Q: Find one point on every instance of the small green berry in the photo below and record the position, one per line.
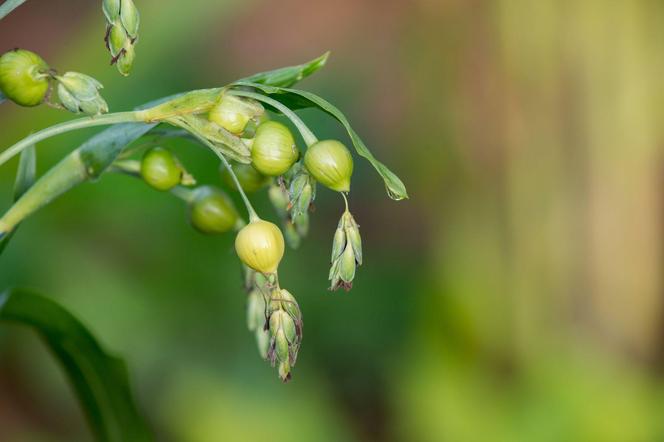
(330, 163)
(250, 179)
(23, 77)
(212, 211)
(160, 169)
(273, 151)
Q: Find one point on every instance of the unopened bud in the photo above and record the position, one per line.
(346, 253)
(80, 93)
(111, 9)
(130, 17)
(125, 60)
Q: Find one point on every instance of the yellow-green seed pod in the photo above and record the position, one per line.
(212, 211)
(330, 163)
(260, 246)
(23, 77)
(160, 169)
(273, 151)
(233, 113)
(125, 61)
(250, 179)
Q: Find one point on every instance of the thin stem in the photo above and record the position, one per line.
(253, 216)
(9, 6)
(99, 120)
(345, 200)
(307, 134)
(186, 195)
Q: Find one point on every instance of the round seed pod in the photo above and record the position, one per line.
(160, 169)
(233, 113)
(273, 151)
(22, 77)
(260, 246)
(250, 179)
(212, 211)
(330, 163)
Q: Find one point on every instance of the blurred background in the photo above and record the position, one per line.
(517, 296)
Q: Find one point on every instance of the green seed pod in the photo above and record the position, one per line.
(125, 60)
(260, 246)
(117, 36)
(212, 211)
(338, 243)
(23, 77)
(353, 236)
(80, 93)
(330, 163)
(130, 17)
(111, 9)
(273, 151)
(160, 169)
(347, 264)
(250, 179)
(290, 304)
(233, 113)
(284, 371)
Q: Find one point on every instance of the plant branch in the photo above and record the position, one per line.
(67, 126)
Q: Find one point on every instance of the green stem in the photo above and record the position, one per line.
(99, 120)
(253, 216)
(307, 134)
(186, 195)
(9, 6)
(345, 200)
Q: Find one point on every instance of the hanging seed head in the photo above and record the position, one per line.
(260, 246)
(212, 211)
(23, 77)
(273, 151)
(233, 113)
(122, 20)
(285, 328)
(160, 169)
(250, 179)
(302, 191)
(330, 163)
(346, 253)
(80, 93)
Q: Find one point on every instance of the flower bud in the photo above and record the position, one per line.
(116, 38)
(125, 60)
(212, 211)
(111, 9)
(160, 169)
(123, 20)
(233, 113)
(285, 327)
(250, 179)
(302, 191)
(23, 77)
(260, 246)
(80, 93)
(330, 163)
(273, 151)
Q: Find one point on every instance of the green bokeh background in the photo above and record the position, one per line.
(517, 296)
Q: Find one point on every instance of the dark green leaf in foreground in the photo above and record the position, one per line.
(100, 380)
(297, 99)
(288, 76)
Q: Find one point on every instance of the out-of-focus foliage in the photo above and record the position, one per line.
(515, 296)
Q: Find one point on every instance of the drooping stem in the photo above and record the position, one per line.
(67, 126)
(253, 216)
(307, 134)
(345, 200)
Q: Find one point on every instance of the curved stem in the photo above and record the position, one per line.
(345, 200)
(253, 216)
(99, 120)
(307, 134)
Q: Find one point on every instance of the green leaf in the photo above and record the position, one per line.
(27, 171)
(99, 379)
(297, 99)
(25, 178)
(288, 76)
(8, 6)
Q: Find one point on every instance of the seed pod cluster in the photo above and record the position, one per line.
(79, 93)
(122, 20)
(346, 253)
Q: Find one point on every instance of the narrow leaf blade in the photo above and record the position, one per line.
(27, 171)
(288, 76)
(99, 379)
(297, 99)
